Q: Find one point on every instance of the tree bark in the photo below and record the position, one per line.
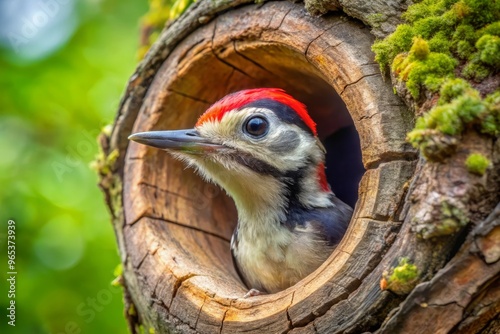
(173, 230)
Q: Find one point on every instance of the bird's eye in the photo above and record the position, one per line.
(256, 127)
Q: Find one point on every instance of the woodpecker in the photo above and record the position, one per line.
(262, 147)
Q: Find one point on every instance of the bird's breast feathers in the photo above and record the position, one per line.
(280, 258)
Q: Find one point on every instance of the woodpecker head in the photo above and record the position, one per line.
(261, 146)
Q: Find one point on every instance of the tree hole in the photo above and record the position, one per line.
(179, 226)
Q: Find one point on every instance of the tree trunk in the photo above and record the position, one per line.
(434, 222)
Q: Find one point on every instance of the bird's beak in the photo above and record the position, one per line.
(188, 141)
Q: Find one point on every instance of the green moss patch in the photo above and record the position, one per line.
(118, 272)
(477, 163)
(459, 107)
(441, 45)
(402, 278)
(423, 68)
(453, 218)
(404, 272)
(465, 30)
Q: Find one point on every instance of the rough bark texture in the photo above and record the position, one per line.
(381, 16)
(173, 230)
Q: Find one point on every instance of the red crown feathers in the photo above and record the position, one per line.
(244, 97)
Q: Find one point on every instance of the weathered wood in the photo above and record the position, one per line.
(173, 230)
(381, 15)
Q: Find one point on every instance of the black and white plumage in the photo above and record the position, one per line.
(261, 146)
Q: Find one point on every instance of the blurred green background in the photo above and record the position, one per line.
(61, 79)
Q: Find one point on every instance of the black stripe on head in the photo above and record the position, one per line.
(256, 165)
(291, 179)
(282, 111)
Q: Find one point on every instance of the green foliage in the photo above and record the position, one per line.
(52, 109)
(160, 12)
(477, 163)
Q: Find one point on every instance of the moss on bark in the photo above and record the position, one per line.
(444, 48)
